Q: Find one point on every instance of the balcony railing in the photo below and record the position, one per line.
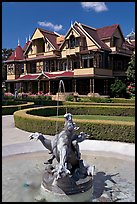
(121, 50)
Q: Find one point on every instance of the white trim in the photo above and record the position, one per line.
(84, 32)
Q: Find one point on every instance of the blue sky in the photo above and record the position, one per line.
(20, 19)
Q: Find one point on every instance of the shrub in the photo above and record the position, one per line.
(8, 96)
(118, 89)
(70, 98)
(98, 130)
(10, 109)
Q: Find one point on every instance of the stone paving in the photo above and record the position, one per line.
(23, 166)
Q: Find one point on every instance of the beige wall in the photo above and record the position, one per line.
(107, 42)
(37, 35)
(90, 44)
(83, 71)
(10, 77)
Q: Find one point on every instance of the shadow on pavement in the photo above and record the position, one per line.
(99, 185)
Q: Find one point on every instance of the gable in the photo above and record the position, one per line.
(117, 33)
(72, 32)
(37, 34)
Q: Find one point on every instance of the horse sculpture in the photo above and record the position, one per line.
(64, 147)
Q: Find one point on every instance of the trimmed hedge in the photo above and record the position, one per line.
(97, 129)
(41, 102)
(12, 102)
(10, 109)
(97, 104)
(105, 100)
(92, 110)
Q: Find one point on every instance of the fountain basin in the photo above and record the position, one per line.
(65, 189)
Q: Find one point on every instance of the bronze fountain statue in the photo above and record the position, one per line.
(68, 176)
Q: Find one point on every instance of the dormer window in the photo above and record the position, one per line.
(49, 47)
(72, 41)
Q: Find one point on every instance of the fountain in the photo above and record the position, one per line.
(67, 178)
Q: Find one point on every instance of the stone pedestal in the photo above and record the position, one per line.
(67, 189)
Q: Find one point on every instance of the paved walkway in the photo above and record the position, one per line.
(15, 137)
(112, 159)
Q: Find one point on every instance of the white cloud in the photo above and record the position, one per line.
(96, 6)
(50, 25)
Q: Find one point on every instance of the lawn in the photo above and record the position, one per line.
(102, 117)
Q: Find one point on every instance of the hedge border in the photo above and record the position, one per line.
(10, 109)
(97, 129)
(100, 104)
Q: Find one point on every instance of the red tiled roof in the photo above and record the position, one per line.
(94, 34)
(107, 31)
(51, 36)
(26, 45)
(29, 77)
(47, 74)
(60, 74)
(17, 54)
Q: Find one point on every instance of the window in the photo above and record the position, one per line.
(48, 47)
(39, 66)
(76, 42)
(85, 63)
(91, 62)
(22, 68)
(10, 69)
(64, 66)
(76, 64)
(46, 67)
(52, 66)
(72, 41)
(33, 68)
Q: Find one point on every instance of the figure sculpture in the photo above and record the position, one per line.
(65, 149)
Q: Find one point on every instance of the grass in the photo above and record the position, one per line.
(102, 117)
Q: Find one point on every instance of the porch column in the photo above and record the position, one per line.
(55, 65)
(93, 86)
(90, 85)
(104, 86)
(67, 68)
(80, 60)
(25, 68)
(49, 86)
(75, 86)
(8, 87)
(39, 86)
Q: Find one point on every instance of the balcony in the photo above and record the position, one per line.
(120, 50)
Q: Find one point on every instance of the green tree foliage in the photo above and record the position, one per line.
(5, 55)
(131, 69)
(118, 89)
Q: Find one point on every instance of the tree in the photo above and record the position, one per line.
(131, 69)
(5, 55)
(118, 89)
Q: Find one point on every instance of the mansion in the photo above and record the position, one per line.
(87, 59)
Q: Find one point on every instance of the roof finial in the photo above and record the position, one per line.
(71, 23)
(18, 42)
(132, 31)
(26, 40)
